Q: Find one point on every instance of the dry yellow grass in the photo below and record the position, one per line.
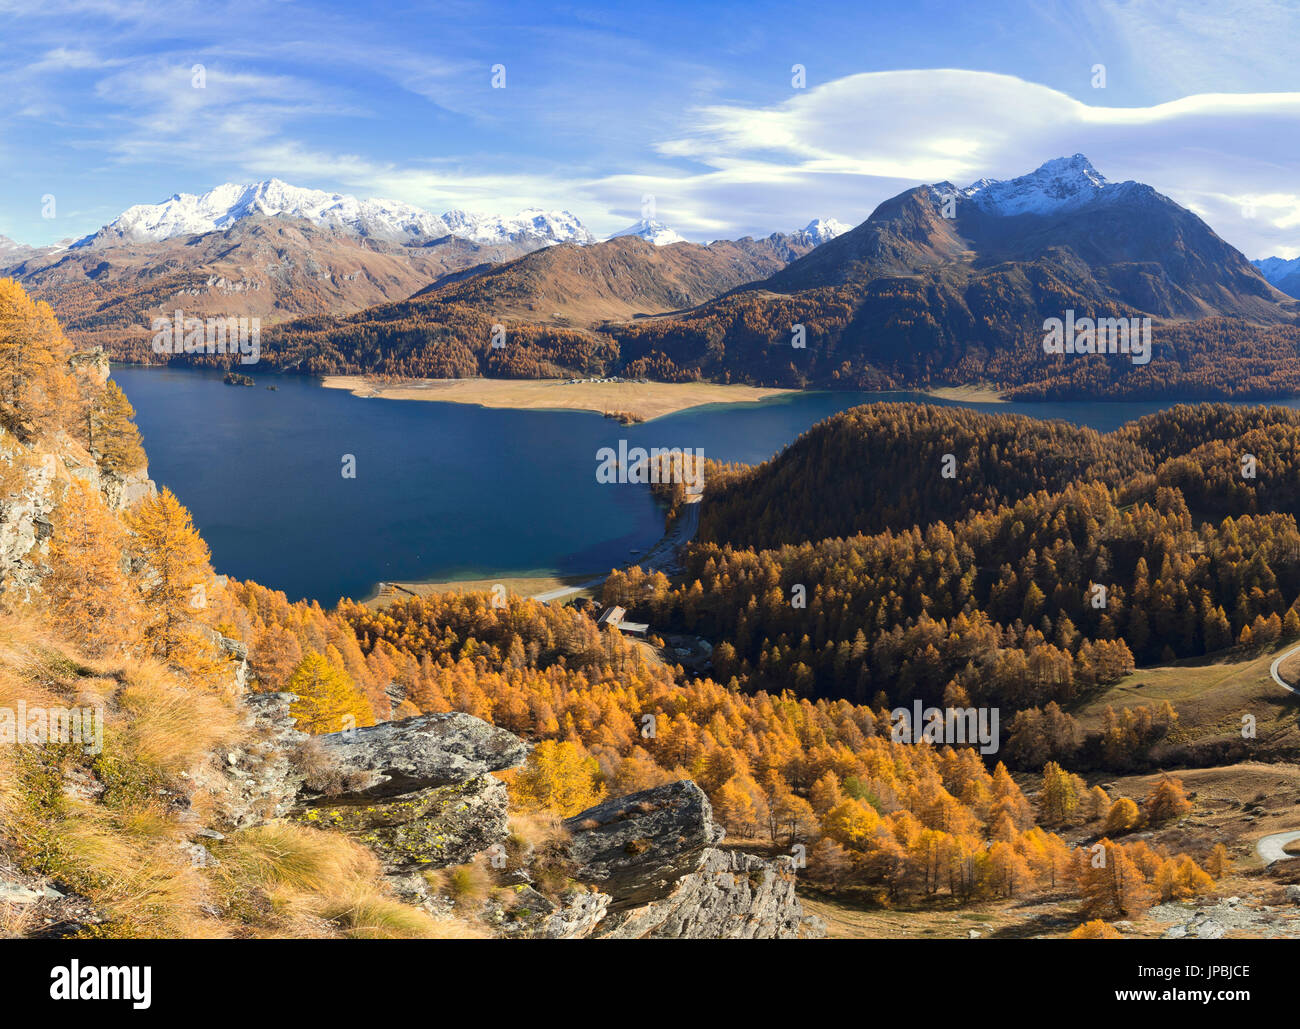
(321, 884)
(170, 727)
(120, 844)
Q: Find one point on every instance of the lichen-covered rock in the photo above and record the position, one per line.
(429, 828)
(416, 793)
(430, 750)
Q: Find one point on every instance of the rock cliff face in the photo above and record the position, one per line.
(419, 794)
(36, 477)
(42, 476)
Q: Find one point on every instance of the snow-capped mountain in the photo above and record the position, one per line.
(1061, 184)
(185, 214)
(1281, 272)
(390, 220)
(819, 231)
(1115, 243)
(533, 223)
(652, 231)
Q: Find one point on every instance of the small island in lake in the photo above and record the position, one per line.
(236, 379)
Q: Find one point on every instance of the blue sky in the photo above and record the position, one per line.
(692, 103)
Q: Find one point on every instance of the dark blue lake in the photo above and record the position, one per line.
(442, 491)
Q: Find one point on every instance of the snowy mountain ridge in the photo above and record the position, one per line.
(185, 214)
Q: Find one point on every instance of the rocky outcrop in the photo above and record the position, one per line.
(38, 478)
(260, 780)
(415, 792)
(125, 490)
(732, 896)
(655, 854)
(429, 750)
(635, 848)
(419, 794)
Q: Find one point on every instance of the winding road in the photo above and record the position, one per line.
(1277, 663)
(1270, 848)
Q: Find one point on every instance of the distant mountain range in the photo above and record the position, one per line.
(269, 267)
(1282, 273)
(940, 285)
(12, 253)
(276, 251)
(188, 214)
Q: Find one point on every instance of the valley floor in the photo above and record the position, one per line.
(643, 400)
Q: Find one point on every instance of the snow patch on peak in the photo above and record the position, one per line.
(532, 224)
(821, 230)
(1061, 184)
(652, 231)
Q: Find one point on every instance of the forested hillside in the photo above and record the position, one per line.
(1045, 565)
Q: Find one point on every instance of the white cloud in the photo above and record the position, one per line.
(847, 145)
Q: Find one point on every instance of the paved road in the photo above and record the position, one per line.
(1276, 664)
(1270, 847)
(659, 558)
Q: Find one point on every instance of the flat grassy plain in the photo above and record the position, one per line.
(523, 586)
(644, 400)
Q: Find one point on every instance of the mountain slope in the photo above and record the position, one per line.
(621, 278)
(272, 268)
(552, 302)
